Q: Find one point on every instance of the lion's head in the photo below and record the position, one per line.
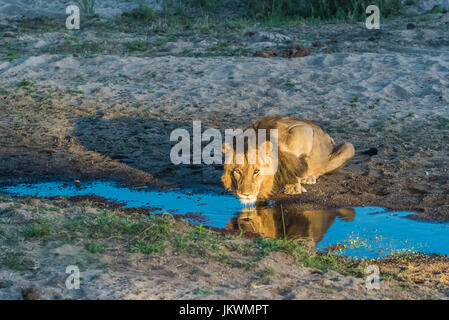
(249, 180)
(254, 174)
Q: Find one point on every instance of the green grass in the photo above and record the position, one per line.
(137, 45)
(164, 40)
(341, 10)
(265, 273)
(25, 84)
(142, 14)
(16, 261)
(280, 11)
(218, 16)
(73, 92)
(442, 123)
(95, 247)
(438, 9)
(11, 56)
(10, 52)
(38, 230)
(205, 291)
(143, 246)
(289, 84)
(71, 39)
(219, 46)
(8, 211)
(87, 6)
(309, 259)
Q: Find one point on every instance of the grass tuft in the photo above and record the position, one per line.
(38, 230)
(137, 45)
(88, 6)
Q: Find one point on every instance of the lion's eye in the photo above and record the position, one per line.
(256, 172)
(237, 172)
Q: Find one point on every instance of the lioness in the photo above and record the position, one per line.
(305, 152)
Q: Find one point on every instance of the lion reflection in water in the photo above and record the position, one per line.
(288, 221)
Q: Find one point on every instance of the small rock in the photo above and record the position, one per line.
(316, 271)
(332, 275)
(317, 44)
(297, 51)
(5, 284)
(410, 26)
(8, 35)
(273, 37)
(31, 293)
(266, 54)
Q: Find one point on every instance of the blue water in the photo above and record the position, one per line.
(370, 232)
(377, 232)
(181, 202)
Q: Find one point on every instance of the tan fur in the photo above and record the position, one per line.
(305, 153)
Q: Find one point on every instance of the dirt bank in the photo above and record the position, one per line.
(132, 256)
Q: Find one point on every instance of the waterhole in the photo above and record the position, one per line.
(363, 232)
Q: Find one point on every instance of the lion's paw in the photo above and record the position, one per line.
(294, 189)
(308, 180)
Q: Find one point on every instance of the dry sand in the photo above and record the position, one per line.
(126, 106)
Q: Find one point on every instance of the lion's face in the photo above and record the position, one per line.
(247, 180)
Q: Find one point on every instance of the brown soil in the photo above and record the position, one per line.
(37, 269)
(118, 126)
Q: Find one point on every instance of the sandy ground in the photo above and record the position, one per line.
(82, 105)
(89, 115)
(41, 262)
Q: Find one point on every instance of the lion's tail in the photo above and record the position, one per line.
(369, 152)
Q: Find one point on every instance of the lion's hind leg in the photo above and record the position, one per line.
(339, 157)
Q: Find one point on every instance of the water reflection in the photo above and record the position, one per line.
(360, 231)
(288, 221)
